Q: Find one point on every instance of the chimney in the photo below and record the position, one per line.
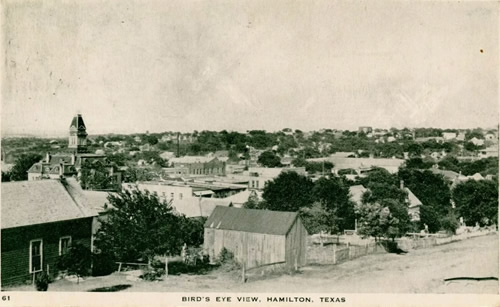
(47, 157)
(401, 184)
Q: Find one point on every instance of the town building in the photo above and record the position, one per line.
(258, 176)
(199, 165)
(40, 221)
(257, 237)
(361, 165)
(69, 164)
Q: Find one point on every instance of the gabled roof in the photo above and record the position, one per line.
(27, 203)
(36, 168)
(242, 197)
(412, 199)
(198, 207)
(251, 220)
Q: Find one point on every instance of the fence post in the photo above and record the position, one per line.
(243, 277)
(334, 254)
(166, 266)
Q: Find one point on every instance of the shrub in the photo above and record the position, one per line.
(226, 261)
(450, 223)
(42, 281)
(153, 274)
(103, 264)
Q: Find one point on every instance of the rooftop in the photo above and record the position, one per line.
(251, 220)
(27, 203)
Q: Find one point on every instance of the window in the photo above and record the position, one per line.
(180, 195)
(163, 194)
(64, 245)
(36, 255)
(172, 195)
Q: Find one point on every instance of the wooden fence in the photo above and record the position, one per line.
(334, 254)
(338, 253)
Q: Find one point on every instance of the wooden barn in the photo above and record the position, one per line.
(256, 237)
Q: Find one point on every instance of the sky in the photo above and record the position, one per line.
(136, 66)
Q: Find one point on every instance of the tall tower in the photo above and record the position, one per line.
(78, 134)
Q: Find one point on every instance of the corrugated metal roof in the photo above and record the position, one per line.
(37, 202)
(251, 220)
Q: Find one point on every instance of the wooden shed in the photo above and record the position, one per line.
(256, 237)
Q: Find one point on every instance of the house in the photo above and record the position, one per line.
(461, 136)
(199, 165)
(257, 237)
(448, 136)
(476, 141)
(491, 137)
(414, 205)
(40, 220)
(365, 129)
(491, 151)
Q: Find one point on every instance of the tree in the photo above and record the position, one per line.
(434, 193)
(333, 195)
(269, 159)
(387, 218)
(318, 219)
(418, 163)
(140, 226)
(253, 202)
(477, 201)
(469, 146)
(288, 192)
(23, 163)
(76, 261)
(5, 176)
(95, 176)
(152, 140)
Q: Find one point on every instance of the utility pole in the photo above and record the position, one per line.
(178, 155)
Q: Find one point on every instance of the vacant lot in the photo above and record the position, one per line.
(419, 271)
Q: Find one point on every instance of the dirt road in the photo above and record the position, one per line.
(419, 271)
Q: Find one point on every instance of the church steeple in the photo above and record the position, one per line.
(78, 134)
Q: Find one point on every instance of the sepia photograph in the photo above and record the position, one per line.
(279, 152)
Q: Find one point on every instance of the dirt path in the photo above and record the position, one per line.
(419, 271)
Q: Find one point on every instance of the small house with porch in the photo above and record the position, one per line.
(257, 237)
